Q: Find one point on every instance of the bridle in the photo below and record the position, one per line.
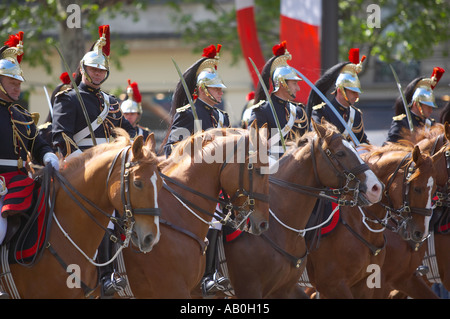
(226, 202)
(341, 171)
(402, 215)
(124, 223)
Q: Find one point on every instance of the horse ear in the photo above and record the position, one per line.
(264, 132)
(320, 130)
(137, 147)
(150, 142)
(416, 155)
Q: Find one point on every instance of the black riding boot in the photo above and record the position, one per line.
(110, 280)
(212, 281)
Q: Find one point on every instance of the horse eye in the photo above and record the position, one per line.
(340, 153)
(138, 184)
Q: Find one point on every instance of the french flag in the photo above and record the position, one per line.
(300, 22)
(246, 26)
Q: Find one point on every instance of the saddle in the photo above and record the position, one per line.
(25, 208)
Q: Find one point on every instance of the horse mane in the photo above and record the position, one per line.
(207, 137)
(420, 133)
(121, 140)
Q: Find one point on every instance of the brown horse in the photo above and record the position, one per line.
(118, 176)
(188, 199)
(268, 266)
(339, 268)
(437, 257)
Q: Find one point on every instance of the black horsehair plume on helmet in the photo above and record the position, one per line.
(409, 92)
(277, 50)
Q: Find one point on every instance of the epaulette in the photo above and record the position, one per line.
(63, 91)
(357, 109)
(35, 116)
(318, 106)
(44, 126)
(144, 128)
(183, 108)
(399, 117)
(255, 106)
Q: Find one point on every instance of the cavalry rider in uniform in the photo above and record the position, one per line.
(20, 140)
(71, 134)
(344, 76)
(291, 116)
(206, 87)
(132, 109)
(420, 98)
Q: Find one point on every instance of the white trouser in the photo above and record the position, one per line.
(216, 224)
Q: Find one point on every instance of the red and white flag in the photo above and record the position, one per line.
(300, 23)
(248, 35)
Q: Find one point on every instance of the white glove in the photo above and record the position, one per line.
(52, 159)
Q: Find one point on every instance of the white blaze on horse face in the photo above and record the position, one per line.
(373, 184)
(427, 218)
(153, 179)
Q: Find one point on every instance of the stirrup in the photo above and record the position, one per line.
(115, 283)
(214, 284)
(4, 295)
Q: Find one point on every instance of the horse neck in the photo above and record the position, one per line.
(89, 180)
(298, 169)
(202, 177)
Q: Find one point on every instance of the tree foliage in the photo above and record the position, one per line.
(409, 30)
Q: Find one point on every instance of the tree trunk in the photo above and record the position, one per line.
(71, 36)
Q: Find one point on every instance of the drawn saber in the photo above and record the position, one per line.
(261, 81)
(48, 101)
(75, 87)
(399, 86)
(324, 98)
(189, 97)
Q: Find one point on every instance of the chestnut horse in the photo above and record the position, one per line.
(339, 268)
(116, 176)
(268, 266)
(437, 256)
(193, 181)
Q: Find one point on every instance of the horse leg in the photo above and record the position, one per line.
(295, 292)
(416, 288)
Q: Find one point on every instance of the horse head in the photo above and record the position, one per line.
(242, 177)
(134, 192)
(339, 165)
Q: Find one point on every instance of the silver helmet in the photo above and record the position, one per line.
(207, 75)
(423, 92)
(133, 103)
(348, 78)
(99, 56)
(11, 57)
(280, 71)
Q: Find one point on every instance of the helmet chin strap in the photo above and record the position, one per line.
(205, 89)
(344, 94)
(7, 94)
(88, 77)
(284, 84)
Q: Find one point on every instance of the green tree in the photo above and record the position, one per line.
(409, 30)
(44, 23)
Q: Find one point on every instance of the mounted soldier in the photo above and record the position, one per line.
(72, 133)
(206, 88)
(291, 115)
(347, 88)
(132, 109)
(20, 140)
(421, 103)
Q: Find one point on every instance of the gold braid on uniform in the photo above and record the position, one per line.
(18, 136)
(69, 142)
